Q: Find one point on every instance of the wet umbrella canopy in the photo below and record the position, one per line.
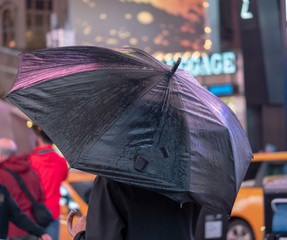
(121, 113)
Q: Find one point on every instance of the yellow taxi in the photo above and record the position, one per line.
(75, 191)
(247, 217)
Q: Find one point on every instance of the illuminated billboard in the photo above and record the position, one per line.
(151, 25)
(204, 65)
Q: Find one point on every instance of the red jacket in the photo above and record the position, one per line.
(52, 169)
(21, 165)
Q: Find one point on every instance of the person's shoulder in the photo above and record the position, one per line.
(59, 158)
(34, 157)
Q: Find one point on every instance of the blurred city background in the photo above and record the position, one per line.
(235, 48)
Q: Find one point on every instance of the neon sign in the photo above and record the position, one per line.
(245, 14)
(226, 89)
(217, 63)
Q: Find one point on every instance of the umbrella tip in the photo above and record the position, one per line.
(175, 66)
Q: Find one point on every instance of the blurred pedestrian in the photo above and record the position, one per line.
(21, 165)
(10, 211)
(125, 212)
(52, 169)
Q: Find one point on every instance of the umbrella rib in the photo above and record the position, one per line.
(23, 84)
(143, 60)
(36, 60)
(127, 109)
(168, 76)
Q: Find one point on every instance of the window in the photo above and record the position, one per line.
(8, 26)
(29, 4)
(260, 173)
(276, 169)
(40, 4)
(38, 22)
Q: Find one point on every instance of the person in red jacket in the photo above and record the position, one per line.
(21, 165)
(52, 169)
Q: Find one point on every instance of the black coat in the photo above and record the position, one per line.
(10, 211)
(119, 211)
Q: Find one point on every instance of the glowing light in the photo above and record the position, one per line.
(196, 54)
(225, 89)
(128, 16)
(207, 47)
(207, 29)
(123, 34)
(29, 124)
(29, 34)
(208, 41)
(177, 56)
(207, 44)
(245, 11)
(167, 57)
(92, 4)
(165, 43)
(133, 41)
(185, 42)
(200, 63)
(165, 32)
(99, 39)
(113, 32)
(89, 3)
(262, 228)
(145, 17)
(204, 54)
(157, 40)
(87, 30)
(186, 55)
(205, 4)
(159, 56)
(103, 16)
(12, 44)
(232, 107)
(111, 41)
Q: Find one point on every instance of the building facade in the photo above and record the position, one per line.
(24, 26)
(231, 47)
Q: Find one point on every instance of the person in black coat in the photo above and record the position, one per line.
(119, 211)
(10, 211)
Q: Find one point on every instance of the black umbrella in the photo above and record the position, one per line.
(121, 113)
